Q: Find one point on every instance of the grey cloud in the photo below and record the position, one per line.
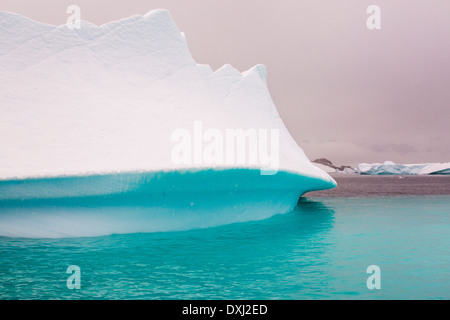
(393, 148)
(330, 77)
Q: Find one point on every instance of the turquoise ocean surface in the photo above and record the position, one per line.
(320, 250)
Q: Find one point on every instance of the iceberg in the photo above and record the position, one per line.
(436, 168)
(391, 168)
(93, 120)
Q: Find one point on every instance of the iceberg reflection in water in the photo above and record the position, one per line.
(270, 258)
(145, 202)
(320, 250)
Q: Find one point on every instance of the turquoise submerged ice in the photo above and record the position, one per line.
(91, 121)
(128, 203)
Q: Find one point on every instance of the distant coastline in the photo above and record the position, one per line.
(356, 185)
(385, 168)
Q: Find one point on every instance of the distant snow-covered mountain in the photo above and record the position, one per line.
(391, 168)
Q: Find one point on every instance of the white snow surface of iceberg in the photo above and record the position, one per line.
(106, 99)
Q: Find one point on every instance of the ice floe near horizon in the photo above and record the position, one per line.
(391, 168)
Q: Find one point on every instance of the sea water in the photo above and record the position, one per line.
(320, 250)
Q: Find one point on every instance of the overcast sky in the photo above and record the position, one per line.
(345, 92)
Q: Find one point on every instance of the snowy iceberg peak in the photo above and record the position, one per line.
(142, 42)
(259, 69)
(150, 44)
(16, 30)
(154, 34)
(152, 39)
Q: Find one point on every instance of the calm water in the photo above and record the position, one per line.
(321, 250)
